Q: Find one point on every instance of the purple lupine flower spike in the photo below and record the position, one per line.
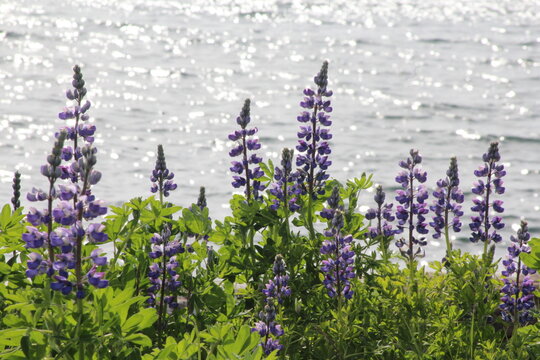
(275, 290)
(163, 276)
(482, 224)
(313, 137)
(286, 188)
(447, 196)
(411, 213)
(74, 204)
(518, 298)
(162, 178)
(247, 177)
(384, 215)
(339, 266)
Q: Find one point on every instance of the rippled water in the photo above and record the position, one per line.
(444, 76)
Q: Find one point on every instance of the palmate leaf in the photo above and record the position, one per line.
(532, 259)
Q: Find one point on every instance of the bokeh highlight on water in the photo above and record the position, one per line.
(444, 76)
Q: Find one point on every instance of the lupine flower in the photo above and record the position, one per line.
(161, 176)
(286, 188)
(16, 199)
(313, 146)
(518, 298)
(247, 176)
(74, 205)
(384, 215)
(447, 196)
(77, 112)
(493, 173)
(339, 266)
(411, 213)
(164, 279)
(275, 290)
(278, 288)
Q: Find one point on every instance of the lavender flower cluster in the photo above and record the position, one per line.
(246, 177)
(518, 298)
(286, 188)
(276, 290)
(493, 174)
(75, 204)
(384, 215)
(313, 138)
(339, 266)
(413, 204)
(447, 196)
(163, 275)
(162, 178)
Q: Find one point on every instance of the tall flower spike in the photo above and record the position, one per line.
(313, 137)
(16, 199)
(384, 215)
(75, 204)
(411, 213)
(163, 275)
(518, 298)
(447, 196)
(286, 188)
(161, 176)
(275, 290)
(247, 176)
(482, 223)
(79, 129)
(339, 266)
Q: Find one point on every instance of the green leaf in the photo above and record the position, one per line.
(139, 339)
(141, 320)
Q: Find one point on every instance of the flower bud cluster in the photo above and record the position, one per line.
(162, 178)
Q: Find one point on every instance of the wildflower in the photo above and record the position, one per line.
(313, 146)
(412, 200)
(493, 173)
(339, 266)
(247, 176)
(518, 298)
(275, 290)
(161, 176)
(286, 188)
(447, 196)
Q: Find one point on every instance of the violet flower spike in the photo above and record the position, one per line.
(447, 200)
(276, 290)
(163, 276)
(339, 266)
(162, 178)
(285, 188)
(247, 177)
(384, 216)
(411, 213)
(490, 182)
(313, 146)
(518, 293)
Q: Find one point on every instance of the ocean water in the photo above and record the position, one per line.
(444, 76)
